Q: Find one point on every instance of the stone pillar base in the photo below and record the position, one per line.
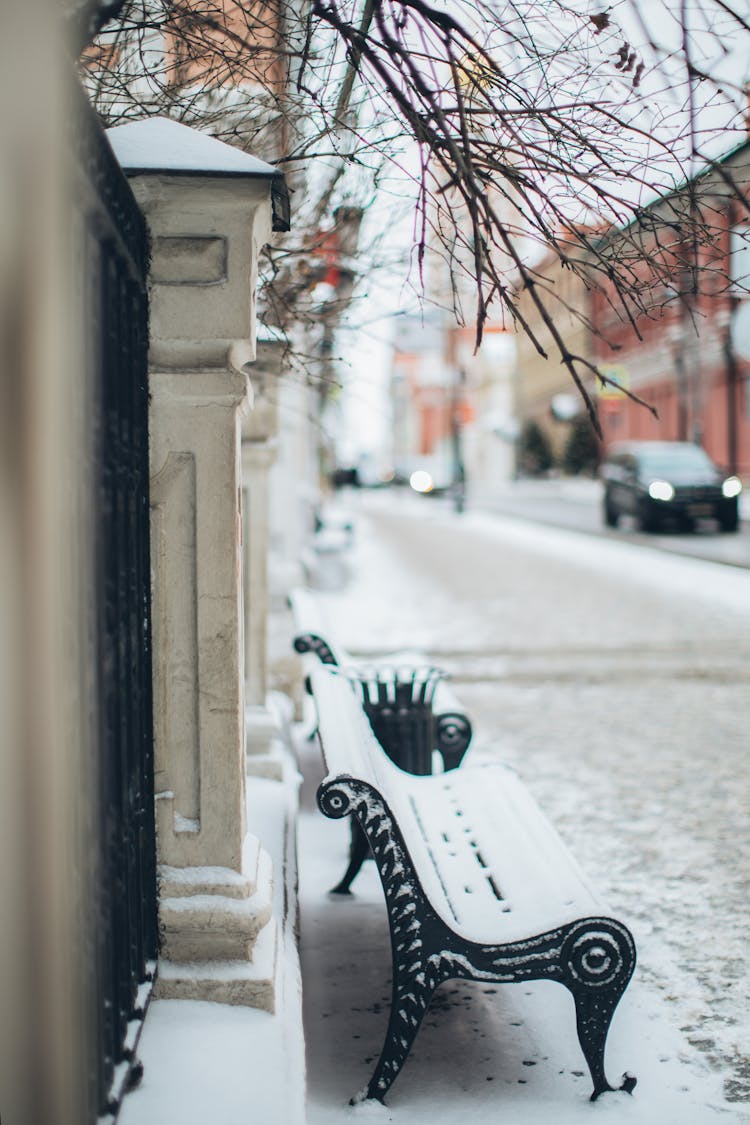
(270, 765)
(218, 937)
(225, 982)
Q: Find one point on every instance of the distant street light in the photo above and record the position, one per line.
(565, 407)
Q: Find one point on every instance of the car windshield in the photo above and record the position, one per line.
(682, 459)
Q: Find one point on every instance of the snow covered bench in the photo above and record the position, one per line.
(313, 636)
(478, 885)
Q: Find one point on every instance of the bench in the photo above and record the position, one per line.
(313, 637)
(477, 883)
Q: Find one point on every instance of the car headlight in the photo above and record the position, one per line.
(660, 490)
(421, 481)
(731, 487)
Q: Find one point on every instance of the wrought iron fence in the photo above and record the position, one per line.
(124, 945)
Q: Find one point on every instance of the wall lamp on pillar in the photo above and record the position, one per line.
(280, 205)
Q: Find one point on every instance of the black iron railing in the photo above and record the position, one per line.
(124, 945)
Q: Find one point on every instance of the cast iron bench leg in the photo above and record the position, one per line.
(597, 968)
(408, 1006)
(593, 1017)
(359, 850)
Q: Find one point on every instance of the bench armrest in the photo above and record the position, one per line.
(453, 735)
(312, 643)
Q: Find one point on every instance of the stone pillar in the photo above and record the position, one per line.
(257, 458)
(259, 449)
(196, 547)
(263, 721)
(208, 207)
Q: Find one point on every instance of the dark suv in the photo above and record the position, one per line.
(654, 481)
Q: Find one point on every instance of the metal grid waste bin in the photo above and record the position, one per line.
(398, 702)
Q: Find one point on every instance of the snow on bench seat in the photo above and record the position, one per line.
(503, 870)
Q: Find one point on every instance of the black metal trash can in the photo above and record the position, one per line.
(398, 702)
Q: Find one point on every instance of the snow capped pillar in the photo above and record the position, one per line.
(210, 208)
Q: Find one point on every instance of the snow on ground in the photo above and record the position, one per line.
(637, 809)
(484, 1053)
(611, 620)
(216, 1064)
(386, 605)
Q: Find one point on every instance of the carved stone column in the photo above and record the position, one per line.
(208, 207)
(263, 726)
(259, 451)
(198, 702)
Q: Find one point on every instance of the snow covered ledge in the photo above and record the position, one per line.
(209, 210)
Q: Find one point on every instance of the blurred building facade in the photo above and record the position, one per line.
(544, 393)
(451, 408)
(687, 352)
(423, 388)
(683, 347)
(451, 402)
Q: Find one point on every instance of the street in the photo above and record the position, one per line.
(613, 676)
(577, 504)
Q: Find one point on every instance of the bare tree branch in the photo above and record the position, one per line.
(535, 128)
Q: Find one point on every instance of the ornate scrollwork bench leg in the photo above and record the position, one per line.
(597, 962)
(359, 850)
(594, 958)
(311, 642)
(410, 918)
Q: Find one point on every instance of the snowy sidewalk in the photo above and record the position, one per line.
(499, 1053)
(484, 1053)
(230, 1065)
(505, 1053)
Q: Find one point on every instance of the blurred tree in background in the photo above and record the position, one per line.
(535, 456)
(581, 451)
(513, 127)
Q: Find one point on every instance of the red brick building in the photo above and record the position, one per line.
(687, 350)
